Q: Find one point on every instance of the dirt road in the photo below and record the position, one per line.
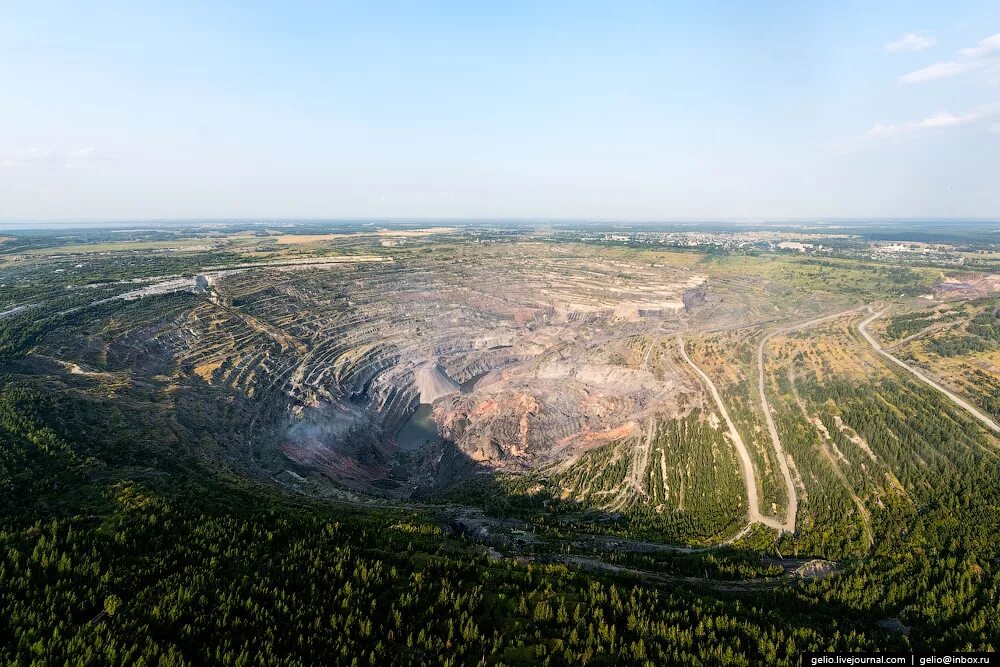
(791, 494)
(746, 463)
(957, 400)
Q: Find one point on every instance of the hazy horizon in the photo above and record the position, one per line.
(819, 224)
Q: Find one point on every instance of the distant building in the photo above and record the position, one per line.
(794, 245)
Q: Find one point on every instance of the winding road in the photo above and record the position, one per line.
(746, 463)
(791, 493)
(957, 400)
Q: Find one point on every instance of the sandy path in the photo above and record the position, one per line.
(790, 491)
(15, 310)
(957, 400)
(746, 463)
(934, 328)
(792, 496)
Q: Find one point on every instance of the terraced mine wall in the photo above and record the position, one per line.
(338, 356)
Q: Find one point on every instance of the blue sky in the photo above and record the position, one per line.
(578, 109)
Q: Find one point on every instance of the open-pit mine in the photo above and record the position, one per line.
(696, 398)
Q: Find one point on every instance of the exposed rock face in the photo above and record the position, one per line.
(815, 569)
(540, 411)
(977, 287)
(524, 366)
(432, 382)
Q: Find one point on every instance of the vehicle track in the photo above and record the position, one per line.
(746, 463)
(957, 400)
(792, 496)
